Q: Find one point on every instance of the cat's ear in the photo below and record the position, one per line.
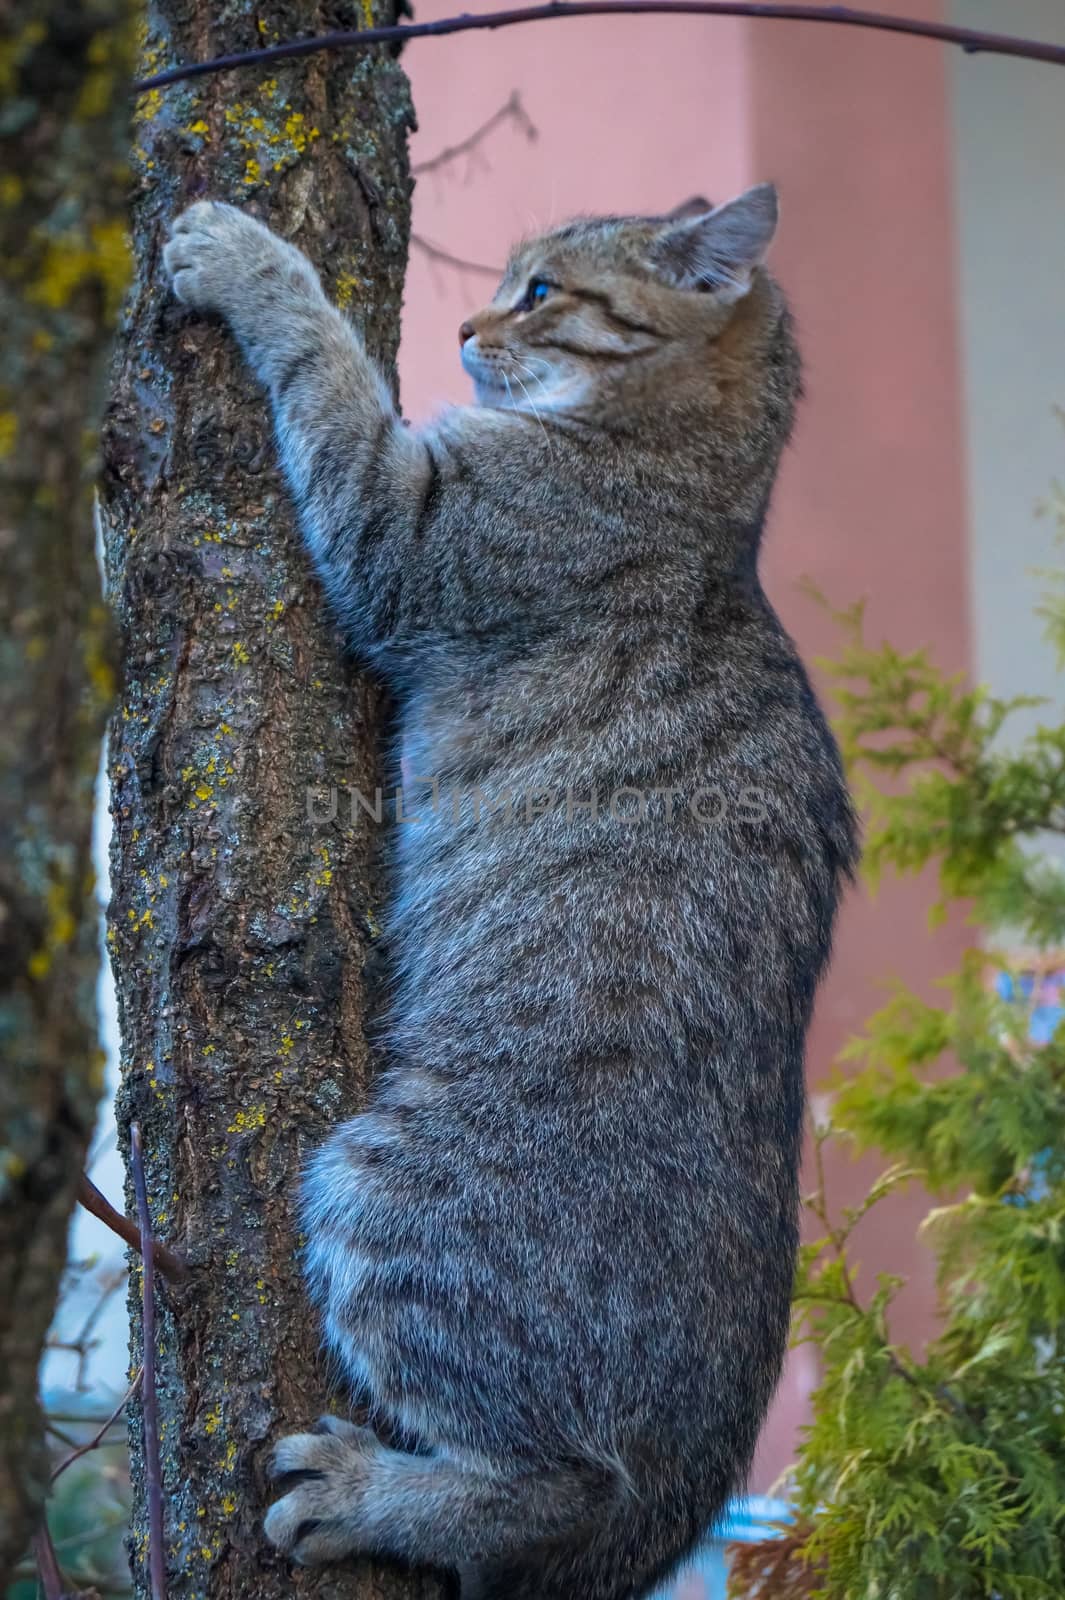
(718, 250)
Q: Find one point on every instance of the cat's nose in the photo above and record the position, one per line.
(467, 331)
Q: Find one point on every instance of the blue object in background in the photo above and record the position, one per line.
(1042, 992)
(747, 1521)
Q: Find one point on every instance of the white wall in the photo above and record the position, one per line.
(1009, 124)
(104, 1373)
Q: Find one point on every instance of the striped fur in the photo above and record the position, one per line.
(555, 1254)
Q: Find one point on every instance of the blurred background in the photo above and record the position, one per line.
(923, 247)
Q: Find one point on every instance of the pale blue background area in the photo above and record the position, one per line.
(749, 1522)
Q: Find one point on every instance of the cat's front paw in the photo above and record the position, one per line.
(219, 258)
(324, 1475)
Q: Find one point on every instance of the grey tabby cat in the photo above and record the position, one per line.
(555, 1254)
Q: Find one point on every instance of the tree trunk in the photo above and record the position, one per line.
(63, 142)
(239, 925)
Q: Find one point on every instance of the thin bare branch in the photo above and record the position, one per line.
(149, 1397)
(169, 1263)
(61, 1434)
(446, 259)
(972, 40)
(82, 1343)
(51, 1579)
(45, 1566)
(84, 1419)
(98, 1437)
(512, 111)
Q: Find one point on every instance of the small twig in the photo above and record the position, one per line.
(774, 1567)
(149, 1396)
(971, 40)
(446, 259)
(83, 1343)
(98, 1437)
(59, 1433)
(512, 111)
(837, 1238)
(169, 1263)
(85, 1419)
(48, 1572)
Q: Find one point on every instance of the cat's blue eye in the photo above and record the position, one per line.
(538, 290)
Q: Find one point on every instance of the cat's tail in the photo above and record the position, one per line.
(575, 1532)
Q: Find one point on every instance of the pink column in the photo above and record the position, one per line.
(636, 114)
(855, 129)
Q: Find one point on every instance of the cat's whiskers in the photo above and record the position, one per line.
(530, 372)
(532, 408)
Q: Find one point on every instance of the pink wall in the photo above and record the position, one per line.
(636, 114)
(855, 129)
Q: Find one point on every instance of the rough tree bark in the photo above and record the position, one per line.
(239, 926)
(63, 144)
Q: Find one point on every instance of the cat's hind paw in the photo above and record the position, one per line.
(323, 1476)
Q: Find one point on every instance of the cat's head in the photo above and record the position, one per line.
(604, 304)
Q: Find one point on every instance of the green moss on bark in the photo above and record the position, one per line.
(63, 263)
